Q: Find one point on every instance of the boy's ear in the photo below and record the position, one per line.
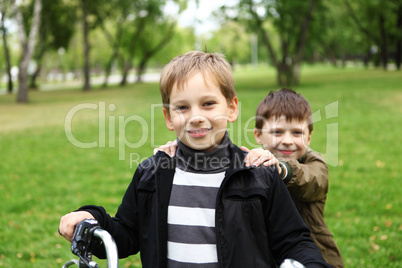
(257, 136)
(309, 138)
(233, 110)
(168, 120)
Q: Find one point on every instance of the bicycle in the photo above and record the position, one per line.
(88, 234)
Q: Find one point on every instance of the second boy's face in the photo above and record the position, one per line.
(285, 139)
(199, 113)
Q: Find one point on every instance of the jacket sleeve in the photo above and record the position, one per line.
(124, 226)
(288, 235)
(309, 182)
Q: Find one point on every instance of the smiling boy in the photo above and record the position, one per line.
(203, 208)
(284, 127)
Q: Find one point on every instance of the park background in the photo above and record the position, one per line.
(106, 56)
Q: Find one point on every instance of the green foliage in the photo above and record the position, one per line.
(43, 175)
(236, 44)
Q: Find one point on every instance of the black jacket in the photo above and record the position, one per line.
(257, 224)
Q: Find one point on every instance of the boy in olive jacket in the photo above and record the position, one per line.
(284, 127)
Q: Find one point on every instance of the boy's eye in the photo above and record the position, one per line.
(180, 108)
(209, 103)
(297, 133)
(276, 132)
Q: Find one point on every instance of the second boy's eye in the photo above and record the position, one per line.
(276, 132)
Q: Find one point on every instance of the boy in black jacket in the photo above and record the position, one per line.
(203, 208)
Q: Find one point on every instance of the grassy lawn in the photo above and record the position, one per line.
(45, 173)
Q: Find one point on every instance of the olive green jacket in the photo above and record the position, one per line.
(308, 187)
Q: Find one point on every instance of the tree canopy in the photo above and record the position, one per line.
(84, 37)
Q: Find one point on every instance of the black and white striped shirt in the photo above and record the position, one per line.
(191, 211)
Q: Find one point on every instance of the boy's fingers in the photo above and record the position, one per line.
(278, 167)
(69, 221)
(169, 148)
(244, 149)
(172, 152)
(251, 158)
(271, 162)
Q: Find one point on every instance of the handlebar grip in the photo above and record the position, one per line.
(110, 248)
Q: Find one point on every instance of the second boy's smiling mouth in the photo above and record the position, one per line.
(286, 152)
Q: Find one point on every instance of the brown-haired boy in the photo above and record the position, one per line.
(284, 127)
(203, 208)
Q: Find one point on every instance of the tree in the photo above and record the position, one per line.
(121, 11)
(4, 10)
(291, 20)
(55, 32)
(236, 44)
(163, 32)
(145, 11)
(85, 29)
(27, 47)
(380, 22)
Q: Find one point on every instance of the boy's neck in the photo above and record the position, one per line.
(207, 162)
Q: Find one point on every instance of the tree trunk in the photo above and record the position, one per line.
(87, 84)
(126, 69)
(38, 58)
(22, 82)
(32, 83)
(384, 43)
(398, 50)
(140, 70)
(28, 47)
(109, 65)
(284, 75)
(6, 55)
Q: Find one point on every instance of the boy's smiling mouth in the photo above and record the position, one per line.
(199, 132)
(286, 152)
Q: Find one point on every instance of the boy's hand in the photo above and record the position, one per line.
(70, 220)
(259, 156)
(170, 148)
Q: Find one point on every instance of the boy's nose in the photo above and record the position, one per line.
(197, 119)
(287, 139)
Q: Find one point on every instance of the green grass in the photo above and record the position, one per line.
(43, 175)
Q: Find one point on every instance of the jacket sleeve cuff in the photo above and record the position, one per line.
(286, 173)
(97, 212)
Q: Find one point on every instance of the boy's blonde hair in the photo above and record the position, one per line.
(212, 66)
(284, 102)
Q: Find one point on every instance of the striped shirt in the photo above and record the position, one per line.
(191, 211)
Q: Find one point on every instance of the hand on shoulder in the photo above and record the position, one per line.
(259, 156)
(170, 148)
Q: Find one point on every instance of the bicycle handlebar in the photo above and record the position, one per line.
(84, 240)
(110, 247)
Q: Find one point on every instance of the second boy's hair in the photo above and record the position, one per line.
(211, 65)
(284, 102)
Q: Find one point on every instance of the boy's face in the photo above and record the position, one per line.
(285, 139)
(199, 113)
